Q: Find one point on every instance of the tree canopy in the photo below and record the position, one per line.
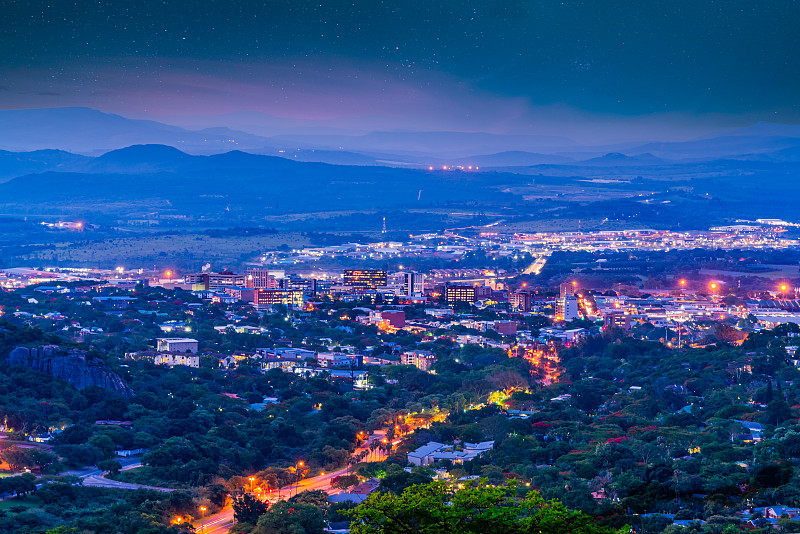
(476, 508)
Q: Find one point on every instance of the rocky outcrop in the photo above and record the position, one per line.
(74, 366)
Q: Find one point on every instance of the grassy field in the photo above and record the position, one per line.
(25, 501)
(167, 251)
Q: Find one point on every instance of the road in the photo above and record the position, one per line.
(536, 266)
(222, 521)
(92, 476)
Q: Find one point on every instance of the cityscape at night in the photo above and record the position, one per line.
(371, 267)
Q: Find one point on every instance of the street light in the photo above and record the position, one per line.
(202, 516)
(683, 282)
(297, 474)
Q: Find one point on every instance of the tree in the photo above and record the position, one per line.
(344, 482)
(314, 497)
(247, 509)
(112, 466)
(294, 518)
(15, 457)
(436, 508)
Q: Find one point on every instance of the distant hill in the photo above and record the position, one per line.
(618, 159)
(81, 130)
(86, 130)
(161, 177)
(18, 163)
(512, 158)
(731, 146)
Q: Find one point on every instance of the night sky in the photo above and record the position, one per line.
(491, 64)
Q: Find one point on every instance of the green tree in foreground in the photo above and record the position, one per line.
(295, 518)
(436, 508)
(247, 509)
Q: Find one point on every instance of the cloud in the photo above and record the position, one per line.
(312, 93)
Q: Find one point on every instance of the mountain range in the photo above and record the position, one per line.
(90, 132)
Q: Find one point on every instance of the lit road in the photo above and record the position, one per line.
(222, 521)
(536, 267)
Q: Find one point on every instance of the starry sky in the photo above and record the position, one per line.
(493, 65)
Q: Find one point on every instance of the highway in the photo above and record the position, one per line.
(536, 266)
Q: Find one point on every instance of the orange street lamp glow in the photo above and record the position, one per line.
(784, 287)
(683, 282)
(574, 283)
(169, 274)
(300, 464)
(713, 285)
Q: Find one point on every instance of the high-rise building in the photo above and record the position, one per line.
(567, 289)
(567, 308)
(261, 279)
(362, 280)
(414, 284)
(520, 301)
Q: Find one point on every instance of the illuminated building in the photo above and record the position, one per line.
(421, 359)
(261, 279)
(388, 319)
(172, 360)
(567, 289)
(567, 308)
(414, 284)
(215, 281)
(264, 299)
(520, 301)
(363, 280)
(460, 294)
(339, 359)
(177, 344)
(617, 319)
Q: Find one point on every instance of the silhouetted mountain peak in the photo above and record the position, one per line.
(144, 154)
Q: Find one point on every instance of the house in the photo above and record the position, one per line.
(778, 511)
(170, 359)
(434, 452)
(227, 361)
(424, 455)
(421, 359)
(366, 487)
(177, 344)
